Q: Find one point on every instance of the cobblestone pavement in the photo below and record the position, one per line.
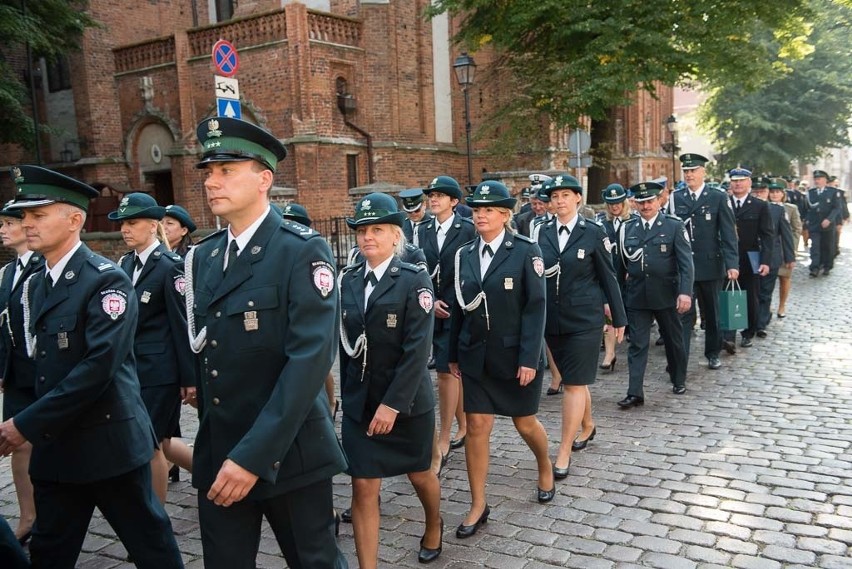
(752, 468)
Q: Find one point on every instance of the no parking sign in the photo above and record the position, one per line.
(225, 58)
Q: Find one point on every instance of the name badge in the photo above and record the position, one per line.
(508, 283)
(62, 340)
(581, 253)
(146, 297)
(391, 322)
(707, 216)
(250, 321)
(663, 248)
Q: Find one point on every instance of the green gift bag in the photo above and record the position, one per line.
(733, 307)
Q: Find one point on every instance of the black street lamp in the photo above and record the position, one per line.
(465, 69)
(671, 125)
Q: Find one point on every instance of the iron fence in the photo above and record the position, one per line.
(339, 237)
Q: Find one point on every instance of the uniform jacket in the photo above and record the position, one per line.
(609, 227)
(271, 340)
(795, 220)
(161, 347)
(586, 279)
(823, 206)
(712, 231)
(398, 324)
(408, 227)
(783, 251)
(460, 232)
(755, 232)
(523, 221)
(513, 334)
(16, 367)
(665, 270)
(89, 422)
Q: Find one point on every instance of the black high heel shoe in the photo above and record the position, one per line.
(25, 538)
(561, 473)
(551, 391)
(427, 555)
(580, 445)
(336, 524)
(174, 473)
(463, 531)
(610, 366)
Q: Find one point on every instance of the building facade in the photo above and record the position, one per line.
(362, 92)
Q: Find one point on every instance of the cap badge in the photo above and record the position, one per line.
(613, 192)
(558, 180)
(366, 205)
(485, 190)
(16, 173)
(433, 182)
(641, 186)
(256, 249)
(287, 209)
(213, 128)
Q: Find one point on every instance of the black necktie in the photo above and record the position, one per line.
(137, 264)
(20, 264)
(692, 195)
(370, 277)
(233, 249)
(48, 280)
(739, 204)
(647, 226)
(564, 229)
(487, 249)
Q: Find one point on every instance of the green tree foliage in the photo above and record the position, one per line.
(798, 115)
(51, 28)
(575, 58)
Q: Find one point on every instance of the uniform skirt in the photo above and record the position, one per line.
(407, 448)
(576, 355)
(16, 399)
(504, 396)
(163, 405)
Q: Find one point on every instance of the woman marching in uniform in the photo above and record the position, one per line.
(617, 212)
(388, 405)
(163, 362)
(496, 341)
(178, 226)
(581, 280)
(17, 369)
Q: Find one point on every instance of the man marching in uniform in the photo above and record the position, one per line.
(414, 205)
(657, 273)
(823, 215)
(262, 314)
(92, 438)
(709, 222)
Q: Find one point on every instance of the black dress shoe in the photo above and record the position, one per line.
(714, 363)
(561, 473)
(463, 531)
(631, 401)
(457, 443)
(545, 496)
(814, 273)
(678, 389)
(761, 333)
(580, 445)
(826, 272)
(660, 342)
(336, 523)
(427, 555)
(729, 346)
(746, 343)
(431, 363)
(346, 516)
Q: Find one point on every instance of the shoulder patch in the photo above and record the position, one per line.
(113, 302)
(180, 284)
(538, 266)
(426, 299)
(296, 228)
(322, 277)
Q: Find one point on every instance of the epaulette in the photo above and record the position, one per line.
(297, 228)
(466, 219)
(519, 237)
(173, 256)
(594, 221)
(471, 242)
(670, 216)
(631, 219)
(550, 222)
(352, 267)
(101, 264)
(411, 247)
(214, 234)
(410, 267)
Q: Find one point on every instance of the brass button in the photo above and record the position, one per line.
(276, 465)
(251, 303)
(214, 373)
(218, 314)
(213, 343)
(108, 416)
(215, 401)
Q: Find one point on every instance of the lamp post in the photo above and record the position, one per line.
(465, 69)
(671, 125)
